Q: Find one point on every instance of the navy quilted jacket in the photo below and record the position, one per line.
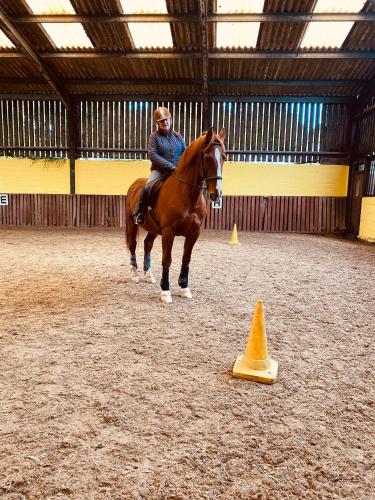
(164, 151)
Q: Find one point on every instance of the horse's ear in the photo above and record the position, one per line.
(221, 134)
(208, 136)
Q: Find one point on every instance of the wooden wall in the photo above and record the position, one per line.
(302, 214)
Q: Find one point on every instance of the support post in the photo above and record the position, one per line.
(72, 154)
(353, 124)
(204, 56)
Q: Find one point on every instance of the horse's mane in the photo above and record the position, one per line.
(191, 151)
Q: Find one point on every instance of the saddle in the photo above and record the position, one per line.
(154, 192)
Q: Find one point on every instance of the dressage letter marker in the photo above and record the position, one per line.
(4, 200)
(255, 363)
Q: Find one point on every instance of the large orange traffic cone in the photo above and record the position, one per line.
(255, 363)
(234, 237)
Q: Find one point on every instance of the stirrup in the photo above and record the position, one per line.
(139, 219)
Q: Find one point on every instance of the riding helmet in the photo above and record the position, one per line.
(161, 114)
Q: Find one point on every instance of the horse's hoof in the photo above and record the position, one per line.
(149, 277)
(166, 296)
(134, 274)
(185, 293)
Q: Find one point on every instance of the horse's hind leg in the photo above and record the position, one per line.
(148, 244)
(183, 279)
(131, 238)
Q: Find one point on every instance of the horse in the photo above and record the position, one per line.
(180, 209)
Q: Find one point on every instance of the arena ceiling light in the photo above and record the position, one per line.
(147, 35)
(51, 7)
(239, 6)
(331, 6)
(67, 35)
(144, 7)
(329, 35)
(151, 35)
(5, 43)
(63, 35)
(238, 35)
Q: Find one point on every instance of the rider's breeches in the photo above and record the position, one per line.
(141, 205)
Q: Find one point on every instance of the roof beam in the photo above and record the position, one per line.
(181, 97)
(288, 83)
(226, 83)
(264, 17)
(18, 38)
(225, 55)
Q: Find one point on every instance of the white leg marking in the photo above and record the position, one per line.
(166, 296)
(134, 274)
(149, 277)
(185, 293)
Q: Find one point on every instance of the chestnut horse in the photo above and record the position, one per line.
(180, 209)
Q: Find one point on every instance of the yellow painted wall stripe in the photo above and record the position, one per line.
(269, 179)
(367, 224)
(34, 177)
(115, 176)
(108, 177)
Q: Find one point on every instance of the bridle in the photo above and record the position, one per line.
(203, 185)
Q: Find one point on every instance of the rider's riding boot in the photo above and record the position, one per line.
(140, 208)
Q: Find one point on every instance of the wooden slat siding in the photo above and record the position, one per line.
(254, 213)
(251, 213)
(309, 214)
(245, 213)
(276, 216)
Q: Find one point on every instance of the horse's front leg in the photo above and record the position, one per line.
(167, 244)
(183, 279)
(148, 244)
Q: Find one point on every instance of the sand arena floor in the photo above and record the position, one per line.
(107, 393)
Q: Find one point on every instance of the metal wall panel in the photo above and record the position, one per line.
(365, 142)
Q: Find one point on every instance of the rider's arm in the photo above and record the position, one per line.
(158, 161)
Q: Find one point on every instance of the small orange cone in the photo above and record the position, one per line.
(234, 237)
(255, 363)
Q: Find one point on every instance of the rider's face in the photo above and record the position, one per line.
(164, 125)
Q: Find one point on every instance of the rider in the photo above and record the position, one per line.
(165, 146)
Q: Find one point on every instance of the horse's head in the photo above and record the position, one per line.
(213, 157)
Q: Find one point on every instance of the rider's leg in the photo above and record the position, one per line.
(140, 209)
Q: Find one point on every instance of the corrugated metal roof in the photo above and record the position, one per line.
(186, 37)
